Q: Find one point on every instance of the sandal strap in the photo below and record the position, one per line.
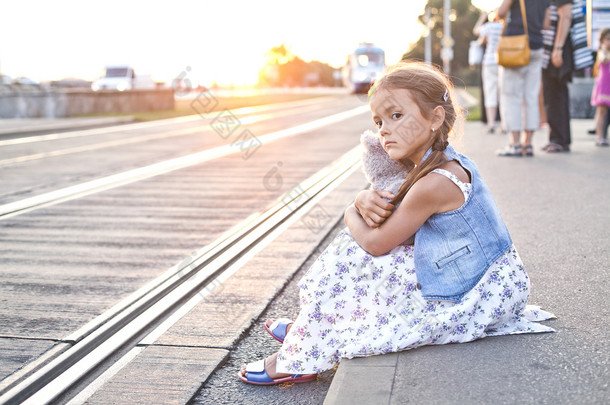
(256, 366)
(280, 321)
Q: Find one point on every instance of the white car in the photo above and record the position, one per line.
(6, 83)
(25, 83)
(122, 78)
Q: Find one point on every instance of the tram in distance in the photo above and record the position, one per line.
(365, 65)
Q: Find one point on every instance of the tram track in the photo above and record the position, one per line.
(138, 315)
(80, 190)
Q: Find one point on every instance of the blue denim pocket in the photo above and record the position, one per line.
(453, 257)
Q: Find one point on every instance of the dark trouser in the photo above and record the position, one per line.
(557, 105)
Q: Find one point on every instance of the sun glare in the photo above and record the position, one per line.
(219, 45)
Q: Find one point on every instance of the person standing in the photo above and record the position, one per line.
(600, 98)
(566, 50)
(520, 86)
(489, 30)
(556, 73)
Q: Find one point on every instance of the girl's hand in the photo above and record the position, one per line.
(372, 207)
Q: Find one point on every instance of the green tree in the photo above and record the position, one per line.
(464, 16)
(283, 68)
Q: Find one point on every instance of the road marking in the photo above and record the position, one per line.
(134, 175)
(150, 124)
(145, 138)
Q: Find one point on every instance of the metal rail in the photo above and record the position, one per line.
(122, 329)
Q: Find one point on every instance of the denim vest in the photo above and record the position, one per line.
(454, 249)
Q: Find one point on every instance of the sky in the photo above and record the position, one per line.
(204, 40)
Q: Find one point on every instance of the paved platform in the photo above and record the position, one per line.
(556, 208)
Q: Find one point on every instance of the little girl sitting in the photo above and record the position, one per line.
(372, 291)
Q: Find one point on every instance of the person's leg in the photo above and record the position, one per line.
(548, 88)
(599, 120)
(491, 124)
(511, 96)
(564, 114)
(532, 79)
(532, 76)
(541, 107)
(496, 93)
(500, 117)
(514, 148)
(557, 103)
(482, 94)
(528, 150)
(600, 124)
(607, 122)
(511, 102)
(490, 87)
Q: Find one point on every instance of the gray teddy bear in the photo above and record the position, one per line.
(379, 169)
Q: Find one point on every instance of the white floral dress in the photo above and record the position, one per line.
(355, 304)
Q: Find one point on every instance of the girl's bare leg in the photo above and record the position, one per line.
(600, 121)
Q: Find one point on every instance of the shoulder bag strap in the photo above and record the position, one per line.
(523, 16)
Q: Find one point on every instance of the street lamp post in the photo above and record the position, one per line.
(428, 39)
(447, 49)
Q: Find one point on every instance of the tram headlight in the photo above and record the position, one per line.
(360, 77)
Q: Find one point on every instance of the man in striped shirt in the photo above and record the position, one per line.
(564, 51)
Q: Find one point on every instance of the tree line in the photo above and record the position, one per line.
(282, 68)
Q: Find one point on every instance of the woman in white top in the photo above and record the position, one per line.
(489, 30)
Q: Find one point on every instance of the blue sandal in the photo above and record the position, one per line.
(278, 329)
(256, 374)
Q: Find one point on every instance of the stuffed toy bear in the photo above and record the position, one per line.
(379, 169)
